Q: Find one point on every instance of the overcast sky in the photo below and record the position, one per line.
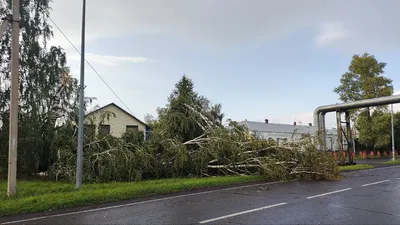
(261, 59)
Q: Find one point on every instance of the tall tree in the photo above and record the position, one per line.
(365, 80)
(187, 114)
(177, 118)
(47, 92)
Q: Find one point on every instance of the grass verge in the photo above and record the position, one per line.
(369, 157)
(395, 162)
(38, 196)
(355, 167)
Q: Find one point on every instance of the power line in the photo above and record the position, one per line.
(76, 49)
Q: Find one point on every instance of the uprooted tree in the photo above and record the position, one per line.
(188, 140)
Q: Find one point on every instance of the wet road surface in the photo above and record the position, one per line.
(363, 197)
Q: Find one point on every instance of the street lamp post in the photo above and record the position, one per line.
(79, 152)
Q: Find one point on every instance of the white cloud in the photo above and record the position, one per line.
(373, 24)
(330, 33)
(107, 60)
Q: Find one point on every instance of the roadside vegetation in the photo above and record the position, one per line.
(391, 162)
(35, 196)
(355, 167)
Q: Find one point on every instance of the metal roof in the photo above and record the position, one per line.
(283, 128)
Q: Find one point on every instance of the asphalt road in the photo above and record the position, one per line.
(363, 197)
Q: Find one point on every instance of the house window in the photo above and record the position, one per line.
(132, 128)
(104, 129)
(89, 129)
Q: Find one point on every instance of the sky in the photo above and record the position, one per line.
(261, 59)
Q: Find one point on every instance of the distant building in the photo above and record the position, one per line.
(116, 126)
(285, 132)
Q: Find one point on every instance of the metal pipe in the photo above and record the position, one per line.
(393, 146)
(323, 126)
(349, 137)
(356, 105)
(317, 122)
(352, 105)
(340, 139)
(317, 119)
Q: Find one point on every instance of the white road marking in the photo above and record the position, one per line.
(141, 202)
(328, 193)
(379, 182)
(398, 178)
(179, 196)
(244, 212)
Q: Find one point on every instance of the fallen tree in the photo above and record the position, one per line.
(188, 140)
(218, 151)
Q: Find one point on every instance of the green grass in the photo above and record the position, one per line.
(369, 157)
(38, 196)
(355, 167)
(395, 162)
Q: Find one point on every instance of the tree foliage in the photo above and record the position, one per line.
(178, 118)
(365, 80)
(374, 130)
(47, 92)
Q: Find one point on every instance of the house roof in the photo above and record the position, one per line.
(282, 128)
(123, 110)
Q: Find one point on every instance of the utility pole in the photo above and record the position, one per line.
(393, 151)
(81, 104)
(13, 131)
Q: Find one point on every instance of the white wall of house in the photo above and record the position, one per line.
(118, 124)
(331, 140)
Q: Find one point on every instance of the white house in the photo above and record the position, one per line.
(285, 132)
(116, 126)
